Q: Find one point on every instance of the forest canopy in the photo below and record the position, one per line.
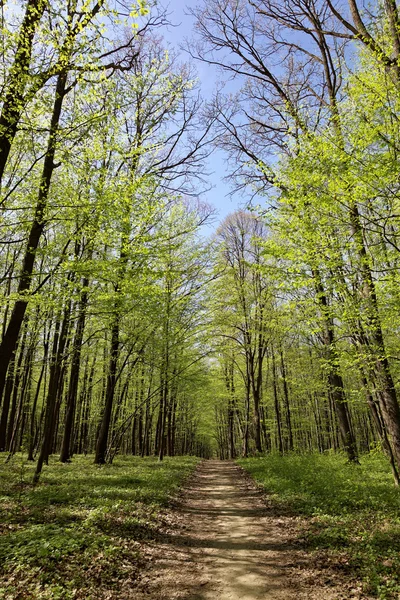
(126, 327)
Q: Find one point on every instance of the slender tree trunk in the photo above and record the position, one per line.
(335, 380)
(50, 405)
(231, 409)
(15, 388)
(13, 446)
(60, 370)
(10, 339)
(147, 421)
(140, 411)
(102, 438)
(165, 388)
(74, 375)
(256, 404)
(13, 99)
(35, 401)
(277, 406)
(245, 447)
(163, 417)
(6, 404)
(380, 428)
(286, 404)
(80, 409)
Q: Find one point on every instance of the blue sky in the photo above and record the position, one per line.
(218, 196)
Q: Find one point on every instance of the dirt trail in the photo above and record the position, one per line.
(221, 542)
(224, 546)
(240, 558)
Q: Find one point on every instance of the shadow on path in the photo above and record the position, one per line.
(227, 547)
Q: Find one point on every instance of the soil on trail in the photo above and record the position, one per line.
(223, 543)
(238, 560)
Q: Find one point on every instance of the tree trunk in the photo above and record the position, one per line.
(6, 404)
(50, 405)
(102, 438)
(335, 380)
(74, 375)
(375, 342)
(10, 339)
(13, 102)
(31, 446)
(286, 404)
(277, 406)
(380, 428)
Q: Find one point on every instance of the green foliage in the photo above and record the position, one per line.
(81, 526)
(353, 511)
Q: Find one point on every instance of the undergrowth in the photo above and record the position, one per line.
(77, 533)
(354, 510)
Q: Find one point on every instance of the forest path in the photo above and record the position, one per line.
(225, 545)
(242, 559)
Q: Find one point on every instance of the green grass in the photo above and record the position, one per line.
(77, 533)
(354, 510)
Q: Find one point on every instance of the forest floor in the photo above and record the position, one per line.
(226, 543)
(228, 540)
(304, 527)
(81, 533)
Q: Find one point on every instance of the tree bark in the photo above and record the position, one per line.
(102, 438)
(74, 375)
(286, 404)
(13, 102)
(10, 339)
(277, 406)
(335, 380)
